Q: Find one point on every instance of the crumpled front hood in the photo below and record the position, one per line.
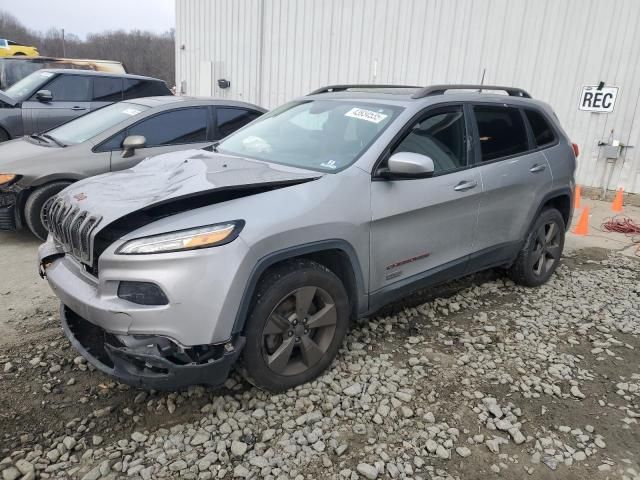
(166, 179)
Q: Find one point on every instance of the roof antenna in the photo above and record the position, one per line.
(484, 70)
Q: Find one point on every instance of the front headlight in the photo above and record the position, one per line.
(191, 239)
(7, 178)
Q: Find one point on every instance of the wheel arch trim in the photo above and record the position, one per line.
(565, 192)
(293, 252)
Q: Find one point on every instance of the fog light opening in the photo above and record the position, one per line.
(142, 293)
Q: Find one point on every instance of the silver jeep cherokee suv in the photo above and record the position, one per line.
(263, 248)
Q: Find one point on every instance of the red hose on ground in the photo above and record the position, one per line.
(624, 225)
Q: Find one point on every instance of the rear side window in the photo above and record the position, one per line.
(231, 119)
(107, 89)
(542, 131)
(70, 88)
(501, 131)
(173, 128)
(135, 88)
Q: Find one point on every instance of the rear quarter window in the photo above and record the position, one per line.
(543, 133)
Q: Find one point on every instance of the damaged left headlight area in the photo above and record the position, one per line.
(148, 361)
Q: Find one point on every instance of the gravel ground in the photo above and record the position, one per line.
(478, 379)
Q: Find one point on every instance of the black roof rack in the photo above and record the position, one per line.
(342, 88)
(441, 89)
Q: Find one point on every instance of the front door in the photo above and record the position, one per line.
(71, 99)
(165, 132)
(425, 228)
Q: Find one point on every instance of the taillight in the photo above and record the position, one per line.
(576, 150)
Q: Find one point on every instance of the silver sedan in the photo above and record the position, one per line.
(35, 168)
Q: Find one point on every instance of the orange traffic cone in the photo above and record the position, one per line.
(577, 195)
(582, 227)
(616, 206)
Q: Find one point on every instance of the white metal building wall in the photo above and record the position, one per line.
(275, 50)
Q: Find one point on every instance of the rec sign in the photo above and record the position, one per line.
(594, 100)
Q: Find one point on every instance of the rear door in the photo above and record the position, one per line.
(179, 129)
(424, 228)
(515, 177)
(71, 99)
(106, 90)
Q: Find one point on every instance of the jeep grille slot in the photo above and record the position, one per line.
(72, 228)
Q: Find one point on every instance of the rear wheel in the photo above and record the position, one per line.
(298, 322)
(37, 206)
(542, 249)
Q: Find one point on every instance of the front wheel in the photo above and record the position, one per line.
(36, 207)
(298, 322)
(542, 249)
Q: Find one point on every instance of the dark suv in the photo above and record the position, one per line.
(49, 97)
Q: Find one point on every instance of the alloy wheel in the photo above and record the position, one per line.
(44, 213)
(299, 331)
(546, 248)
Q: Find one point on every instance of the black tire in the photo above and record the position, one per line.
(34, 208)
(273, 326)
(4, 136)
(542, 249)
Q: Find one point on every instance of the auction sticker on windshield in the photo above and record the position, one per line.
(364, 114)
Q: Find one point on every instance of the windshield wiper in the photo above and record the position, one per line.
(53, 139)
(38, 137)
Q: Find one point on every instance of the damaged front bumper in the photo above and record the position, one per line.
(9, 219)
(150, 362)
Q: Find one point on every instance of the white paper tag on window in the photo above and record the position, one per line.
(364, 114)
(130, 111)
(46, 74)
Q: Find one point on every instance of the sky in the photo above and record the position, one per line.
(88, 16)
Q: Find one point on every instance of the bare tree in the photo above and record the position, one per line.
(141, 52)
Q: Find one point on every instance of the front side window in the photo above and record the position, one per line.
(321, 135)
(70, 88)
(441, 137)
(107, 89)
(231, 119)
(542, 131)
(94, 123)
(173, 128)
(501, 131)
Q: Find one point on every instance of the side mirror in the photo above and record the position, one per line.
(44, 96)
(408, 165)
(131, 143)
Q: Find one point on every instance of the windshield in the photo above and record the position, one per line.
(321, 135)
(25, 87)
(88, 126)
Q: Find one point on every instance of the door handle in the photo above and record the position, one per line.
(77, 108)
(465, 185)
(538, 167)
